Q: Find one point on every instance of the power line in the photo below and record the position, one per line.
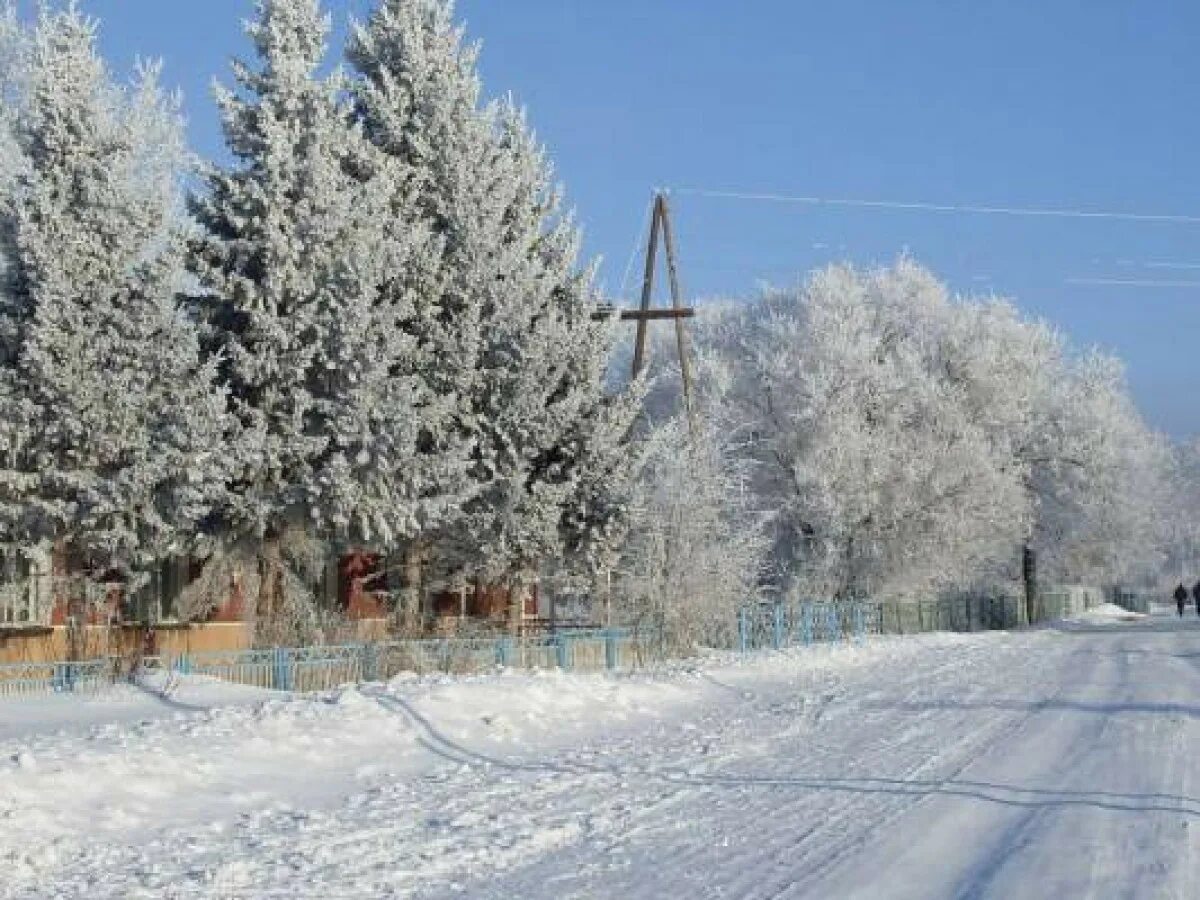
(927, 206)
(637, 245)
(1131, 282)
(1172, 265)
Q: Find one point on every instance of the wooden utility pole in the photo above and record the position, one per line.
(660, 223)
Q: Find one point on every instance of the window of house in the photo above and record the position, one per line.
(19, 590)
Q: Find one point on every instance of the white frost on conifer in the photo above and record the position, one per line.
(512, 318)
(112, 429)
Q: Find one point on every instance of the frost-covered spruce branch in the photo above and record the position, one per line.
(112, 429)
(512, 323)
(300, 245)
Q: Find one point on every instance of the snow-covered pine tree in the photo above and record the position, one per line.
(423, 119)
(111, 429)
(513, 318)
(15, 49)
(14, 61)
(598, 514)
(300, 236)
(541, 391)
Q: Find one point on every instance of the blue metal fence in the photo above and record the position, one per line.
(323, 668)
(761, 626)
(779, 625)
(23, 679)
(961, 614)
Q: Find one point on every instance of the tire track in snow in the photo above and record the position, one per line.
(816, 810)
(1141, 745)
(976, 884)
(960, 759)
(1078, 840)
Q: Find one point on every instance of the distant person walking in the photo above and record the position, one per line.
(1181, 595)
(1196, 596)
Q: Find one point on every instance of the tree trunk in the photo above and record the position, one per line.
(41, 574)
(516, 605)
(1029, 573)
(607, 597)
(410, 595)
(271, 582)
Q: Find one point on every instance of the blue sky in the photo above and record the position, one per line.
(1078, 104)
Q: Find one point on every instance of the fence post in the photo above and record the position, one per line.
(281, 669)
(610, 649)
(777, 625)
(370, 662)
(744, 629)
(560, 652)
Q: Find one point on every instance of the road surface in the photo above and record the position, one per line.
(1055, 763)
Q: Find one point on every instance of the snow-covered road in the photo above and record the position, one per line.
(1055, 763)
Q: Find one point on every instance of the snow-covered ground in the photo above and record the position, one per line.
(1056, 762)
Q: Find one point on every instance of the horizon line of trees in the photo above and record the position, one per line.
(373, 328)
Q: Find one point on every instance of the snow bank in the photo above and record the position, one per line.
(1107, 613)
(158, 695)
(552, 707)
(209, 761)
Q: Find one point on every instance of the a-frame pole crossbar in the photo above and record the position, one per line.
(660, 221)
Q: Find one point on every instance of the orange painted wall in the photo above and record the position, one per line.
(54, 645)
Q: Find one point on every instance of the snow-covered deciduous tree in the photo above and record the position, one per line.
(1100, 480)
(915, 443)
(883, 483)
(300, 245)
(1093, 473)
(511, 312)
(112, 431)
(1179, 518)
(697, 544)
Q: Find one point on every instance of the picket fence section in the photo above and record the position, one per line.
(778, 625)
(958, 614)
(760, 626)
(25, 679)
(324, 668)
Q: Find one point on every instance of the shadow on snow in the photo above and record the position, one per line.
(1005, 795)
